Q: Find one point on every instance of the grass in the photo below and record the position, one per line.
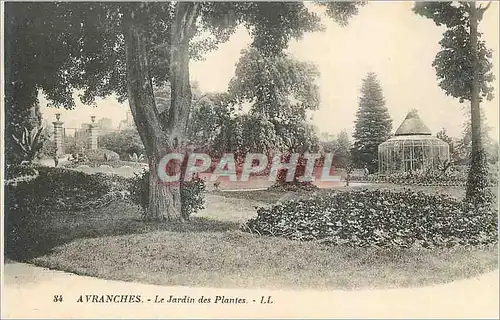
(236, 259)
(112, 243)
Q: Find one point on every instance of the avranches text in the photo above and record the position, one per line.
(125, 298)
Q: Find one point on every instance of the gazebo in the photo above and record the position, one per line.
(412, 148)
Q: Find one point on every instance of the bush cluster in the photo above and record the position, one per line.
(433, 178)
(405, 178)
(96, 164)
(101, 155)
(14, 171)
(296, 185)
(59, 188)
(53, 189)
(380, 218)
(192, 193)
(123, 142)
(293, 186)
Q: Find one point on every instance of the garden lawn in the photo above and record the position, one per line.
(112, 243)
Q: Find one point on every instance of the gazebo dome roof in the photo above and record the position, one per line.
(415, 140)
(412, 125)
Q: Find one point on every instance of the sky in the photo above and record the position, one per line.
(385, 38)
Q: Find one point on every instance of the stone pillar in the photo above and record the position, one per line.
(92, 143)
(59, 135)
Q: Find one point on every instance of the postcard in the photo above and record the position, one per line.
(250, 159)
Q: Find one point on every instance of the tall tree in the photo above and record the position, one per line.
(343, 150)
(128, 48)
(279, 90)
(463, 68)
(373, 124)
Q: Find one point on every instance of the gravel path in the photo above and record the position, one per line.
(229, 209)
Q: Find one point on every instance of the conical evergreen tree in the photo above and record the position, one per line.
(372, 126)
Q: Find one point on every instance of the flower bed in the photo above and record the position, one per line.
(380, 218)
(407, 180)
(15, 174)
(294, 186)
(58, 189)
(50, 192)
(112, 164)
(454, 178)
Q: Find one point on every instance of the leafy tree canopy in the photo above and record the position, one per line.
(453, 63)
(274, 85)
(61, 46)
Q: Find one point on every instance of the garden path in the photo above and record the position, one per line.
(228, 209)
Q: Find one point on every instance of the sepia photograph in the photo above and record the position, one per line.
(244, 159)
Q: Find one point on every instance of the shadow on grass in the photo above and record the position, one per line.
(113, 243)
(38, 234)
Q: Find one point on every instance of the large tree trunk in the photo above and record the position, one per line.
(164, 198)
(475, 111)
(159, 137)
(183, 28)
(477, 192)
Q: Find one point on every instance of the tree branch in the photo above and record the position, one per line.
(140, 90)
(483, 9)
(181, 32)
(186, 14)
(191, 21)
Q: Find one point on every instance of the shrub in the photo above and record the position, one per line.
(456, 176)
(139, 189)
(136, 158)
(16, 171)
(49, 149)
(96, 164)
(123, 142)
(58, 188)
(29, 143)
(435, 178)
(381, 218)
(102, 155)
(295, 185)
(192, 196)
(192, 193)
(53, 189)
